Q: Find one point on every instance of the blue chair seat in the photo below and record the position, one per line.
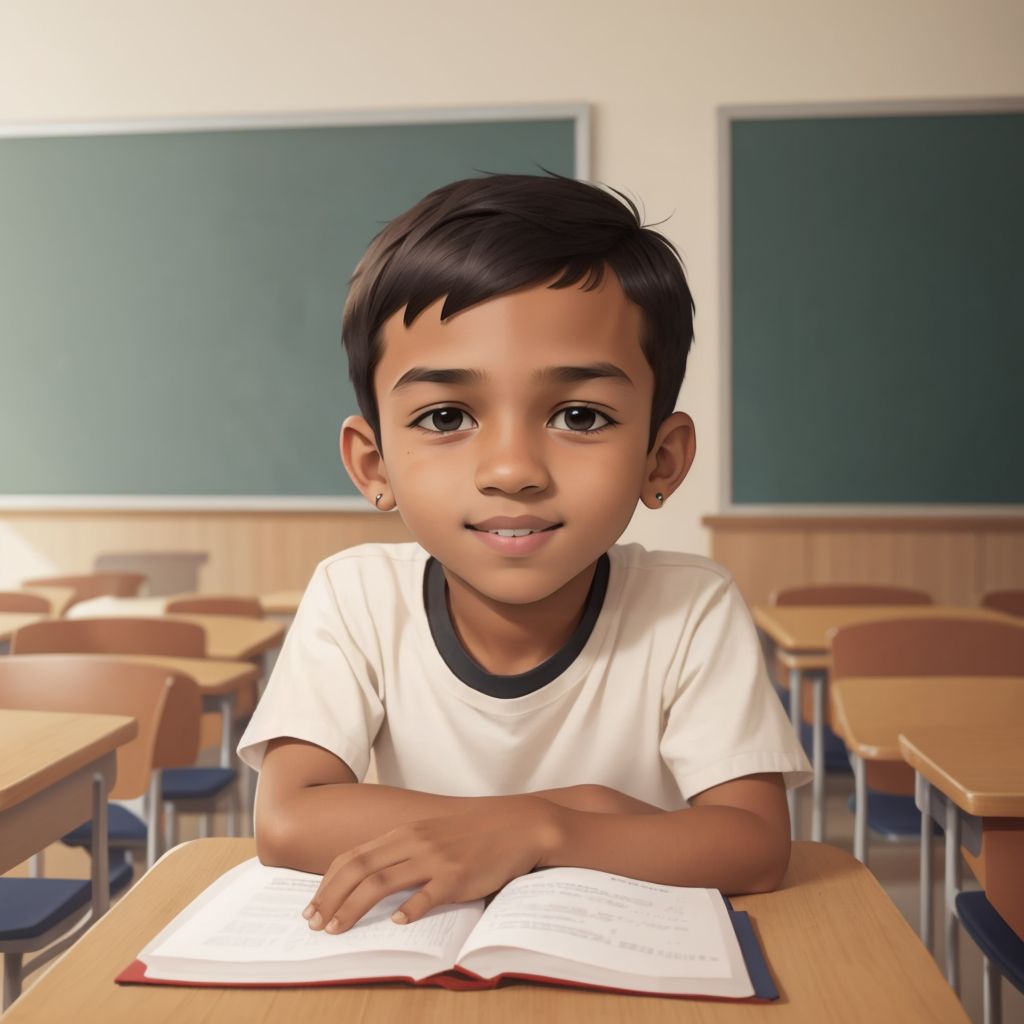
(127, 829)
(892, 816)
(992, 935)
(123, 829)
(30, 907)
(195, 783)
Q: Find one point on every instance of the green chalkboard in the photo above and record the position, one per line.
(877, 308)
(170, 300)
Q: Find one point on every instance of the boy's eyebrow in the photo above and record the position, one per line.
(552, 374)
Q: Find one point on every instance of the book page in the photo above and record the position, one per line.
(612, 922)
(253, 913)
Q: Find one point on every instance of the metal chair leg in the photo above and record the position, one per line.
(924, 804)
(860, 821)
(991, 993)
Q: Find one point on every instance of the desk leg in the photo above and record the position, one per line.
(100, 849)
(795, 716)
(860, 820)
(952, 889)
(818, 760)
(924, 805)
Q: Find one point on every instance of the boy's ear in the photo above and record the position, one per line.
(363, 461)
(675, 446)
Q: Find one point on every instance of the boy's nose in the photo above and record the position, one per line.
(511, 461)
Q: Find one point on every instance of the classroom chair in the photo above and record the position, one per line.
(835, 594)
(36, 911)
(222, 604)
(1009, 601)
(848, 593)
(1002, 951)
(166, 572)
(195, 790)
(941, 646)
(19, 601)
(216, 604)
(96, 584)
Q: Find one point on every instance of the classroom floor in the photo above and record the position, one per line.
(895, 866)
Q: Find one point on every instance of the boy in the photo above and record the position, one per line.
(534, 694)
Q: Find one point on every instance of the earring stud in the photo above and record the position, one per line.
(660, 498)
(377, 502)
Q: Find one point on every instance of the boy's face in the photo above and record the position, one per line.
(515, 435)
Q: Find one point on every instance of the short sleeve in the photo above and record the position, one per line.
(723, 718)
(322, 688)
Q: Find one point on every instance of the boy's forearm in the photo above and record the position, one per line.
(717, 847)
(323, 821)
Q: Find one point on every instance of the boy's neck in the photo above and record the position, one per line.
(507, 639)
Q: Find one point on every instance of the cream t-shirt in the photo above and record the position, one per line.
(660, 693)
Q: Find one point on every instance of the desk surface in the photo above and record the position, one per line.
(839, 950)
(42, 747)
(236, 638)
(980, 767)
(281, 602)
(804, 628)
(870, 713)
(12, 621)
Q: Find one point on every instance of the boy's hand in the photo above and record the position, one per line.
(455, 859)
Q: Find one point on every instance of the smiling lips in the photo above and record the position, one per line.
(514, 535)
(513, 525)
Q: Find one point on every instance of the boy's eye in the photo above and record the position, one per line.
(441, 421)
(579, 419)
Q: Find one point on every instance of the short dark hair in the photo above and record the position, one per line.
(483, 237)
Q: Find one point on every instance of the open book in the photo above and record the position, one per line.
(571, 926)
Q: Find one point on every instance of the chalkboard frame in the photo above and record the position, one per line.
(579, 113)
(726, 115)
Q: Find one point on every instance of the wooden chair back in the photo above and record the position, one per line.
(19, 601)
(166, 705)
(94, 584)
(848, 593)
(164, 637)
(940, 646)
(216, 604)
(1009, 601)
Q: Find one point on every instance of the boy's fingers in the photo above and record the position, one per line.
(345, 873)
(420, 903)
(341, 915)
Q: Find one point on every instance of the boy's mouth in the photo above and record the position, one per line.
(506, 526)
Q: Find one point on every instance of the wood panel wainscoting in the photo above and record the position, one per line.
(954, 558)
(250, 552)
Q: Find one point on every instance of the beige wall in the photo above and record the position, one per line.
(654, 72)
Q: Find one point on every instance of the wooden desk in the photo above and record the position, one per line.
(281, 602)
(838, 949)
(234, 638)
(977, 765)
(798, 636)
(56, 770)
(870, 713)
